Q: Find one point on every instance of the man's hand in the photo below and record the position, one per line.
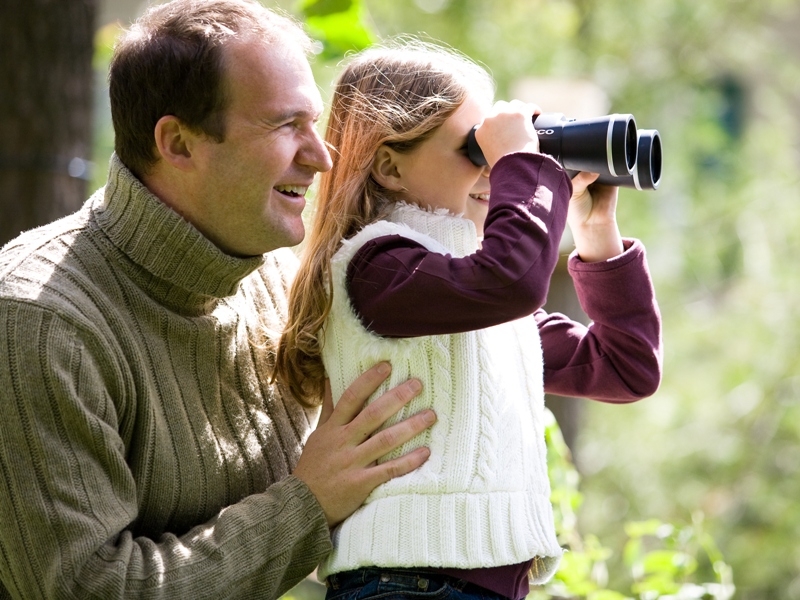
(338, 463)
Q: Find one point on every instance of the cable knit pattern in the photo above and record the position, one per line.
(483, 497)
(143, 450)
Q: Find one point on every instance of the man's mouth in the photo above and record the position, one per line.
(294, 191)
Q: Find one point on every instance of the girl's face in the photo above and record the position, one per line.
(438, 173)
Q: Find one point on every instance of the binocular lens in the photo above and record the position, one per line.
(609, 145)
(647, 174)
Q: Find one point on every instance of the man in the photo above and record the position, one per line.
(144, 451)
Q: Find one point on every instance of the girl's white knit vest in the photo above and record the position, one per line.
(483, 497)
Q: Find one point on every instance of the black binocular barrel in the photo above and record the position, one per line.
(605, 145)
(608, 145)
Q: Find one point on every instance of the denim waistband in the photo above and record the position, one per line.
(413, 577)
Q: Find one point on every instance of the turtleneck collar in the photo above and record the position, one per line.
(454, 232)
(170, 259)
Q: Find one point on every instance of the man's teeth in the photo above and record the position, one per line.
(298, 190)
(480, 196)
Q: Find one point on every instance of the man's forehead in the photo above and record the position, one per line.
(274, 75)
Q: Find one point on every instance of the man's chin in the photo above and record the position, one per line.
(289, 237)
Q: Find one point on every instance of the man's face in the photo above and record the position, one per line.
(249, 196)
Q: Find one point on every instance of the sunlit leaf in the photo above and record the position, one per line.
(668, 562)
(607, 595)
(322, 8)
(637, 529)
(659, 583)
(341, 31)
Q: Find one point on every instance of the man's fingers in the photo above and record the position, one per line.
(395, 436)
(397, 467)
(352, 401)
(383, 408)
(327, 405)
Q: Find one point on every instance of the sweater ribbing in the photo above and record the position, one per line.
(134, 380)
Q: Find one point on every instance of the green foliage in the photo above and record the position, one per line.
(661, 559)
(339, 25)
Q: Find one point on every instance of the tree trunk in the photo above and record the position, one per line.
(46, 49)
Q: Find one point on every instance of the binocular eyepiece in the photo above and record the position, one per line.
(609, 145)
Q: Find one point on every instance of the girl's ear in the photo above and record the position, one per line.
(385, 171)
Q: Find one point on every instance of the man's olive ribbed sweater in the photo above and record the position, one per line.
(143, 452)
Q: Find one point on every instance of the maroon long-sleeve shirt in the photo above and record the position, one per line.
(401, 289)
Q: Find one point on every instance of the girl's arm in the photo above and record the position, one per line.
(618, 357)
(401, 289)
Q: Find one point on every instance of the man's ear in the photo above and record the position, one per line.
(385, 169)
(174, 142)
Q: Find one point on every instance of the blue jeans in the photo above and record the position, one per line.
(396, 583)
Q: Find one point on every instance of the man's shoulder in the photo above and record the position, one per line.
(48, 266)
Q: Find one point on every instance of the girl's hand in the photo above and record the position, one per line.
(592, 218)
(508, 128)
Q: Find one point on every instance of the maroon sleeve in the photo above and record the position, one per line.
(400, 289)
(618, 357)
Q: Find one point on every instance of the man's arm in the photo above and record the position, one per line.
(69, 499)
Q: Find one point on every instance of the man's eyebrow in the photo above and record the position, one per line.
(291, 115)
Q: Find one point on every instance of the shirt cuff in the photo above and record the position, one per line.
(633, 251)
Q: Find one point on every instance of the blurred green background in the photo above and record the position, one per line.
(671, 495)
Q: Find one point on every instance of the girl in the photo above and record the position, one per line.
(420, 258)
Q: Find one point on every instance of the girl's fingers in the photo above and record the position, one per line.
(397, 467)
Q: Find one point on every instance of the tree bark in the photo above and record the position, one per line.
(46, 49)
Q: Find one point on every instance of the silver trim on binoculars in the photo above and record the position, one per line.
(612, 122)
(647, 173)
(608, 145)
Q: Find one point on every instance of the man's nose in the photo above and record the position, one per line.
(315, 153)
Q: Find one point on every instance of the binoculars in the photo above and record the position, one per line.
(609, 145)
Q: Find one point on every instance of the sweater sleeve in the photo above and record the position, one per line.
(618, 357)
(69, 497)
(506, 279)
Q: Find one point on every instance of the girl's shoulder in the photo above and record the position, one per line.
(379, 229)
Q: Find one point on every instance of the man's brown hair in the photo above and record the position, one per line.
(172, 62)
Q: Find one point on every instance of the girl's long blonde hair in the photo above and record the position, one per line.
(397, 95)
